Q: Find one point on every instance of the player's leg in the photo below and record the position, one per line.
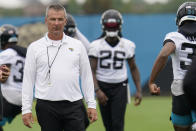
(9, 112)
(181, 127)
(177, 128)
(191, 94)
(106, 109)
(2, 123)
(1, 105)
(194, 127)
(15, 110)
(193, 113)
(118, 105)
(1, 110)
(181, 113)
(106, 115)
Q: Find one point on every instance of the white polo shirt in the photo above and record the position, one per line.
(70, 63)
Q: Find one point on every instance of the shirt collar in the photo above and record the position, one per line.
(49, 41)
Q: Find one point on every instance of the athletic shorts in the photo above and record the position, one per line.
(182, 115)
(10, 111)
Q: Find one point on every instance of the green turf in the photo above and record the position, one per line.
(152, 115)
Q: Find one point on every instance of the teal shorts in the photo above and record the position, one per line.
(5, 120)
(182, 114)
(183, 120)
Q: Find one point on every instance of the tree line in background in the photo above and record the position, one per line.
(99, 6)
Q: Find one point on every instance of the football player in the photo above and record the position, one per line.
(180, 45)
(4, 74)
(71, 30)
(108, 57)
(189, 87)
(13, 57)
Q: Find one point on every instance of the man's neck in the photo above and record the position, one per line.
(8, 45)
(112, 40)
(55, 37)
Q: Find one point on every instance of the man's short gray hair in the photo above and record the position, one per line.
(56, 6)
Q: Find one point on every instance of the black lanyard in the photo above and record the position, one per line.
(50, 66)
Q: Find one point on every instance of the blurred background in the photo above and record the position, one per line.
(146, 22)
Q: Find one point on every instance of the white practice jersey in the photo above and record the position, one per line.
(12, 88)
(111, 67)
(182, 57)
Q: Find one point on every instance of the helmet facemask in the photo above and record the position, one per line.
(111, 21)
(111, 28)
(70, 30)
(70, 27)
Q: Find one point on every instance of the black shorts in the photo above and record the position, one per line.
(10, 111)
(180, 105)
(182, 115)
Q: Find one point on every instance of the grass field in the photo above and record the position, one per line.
(152, 115)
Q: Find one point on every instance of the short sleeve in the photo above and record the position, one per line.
(93, 50)
(171, 37)
(7, 56)
(131, 50)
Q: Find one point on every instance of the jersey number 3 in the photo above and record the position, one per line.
(20, 66)
(116, 60)
(189, 56)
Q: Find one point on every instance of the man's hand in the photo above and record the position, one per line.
(138, 98)
(92, 114)
(154, 90)
(102, 98)
(28, 119)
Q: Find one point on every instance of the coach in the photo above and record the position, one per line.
(53, 65)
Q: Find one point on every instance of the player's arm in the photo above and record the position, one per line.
(5, 72)
(136, 78)
(159, 64)
(102, 98)
(82, 38)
